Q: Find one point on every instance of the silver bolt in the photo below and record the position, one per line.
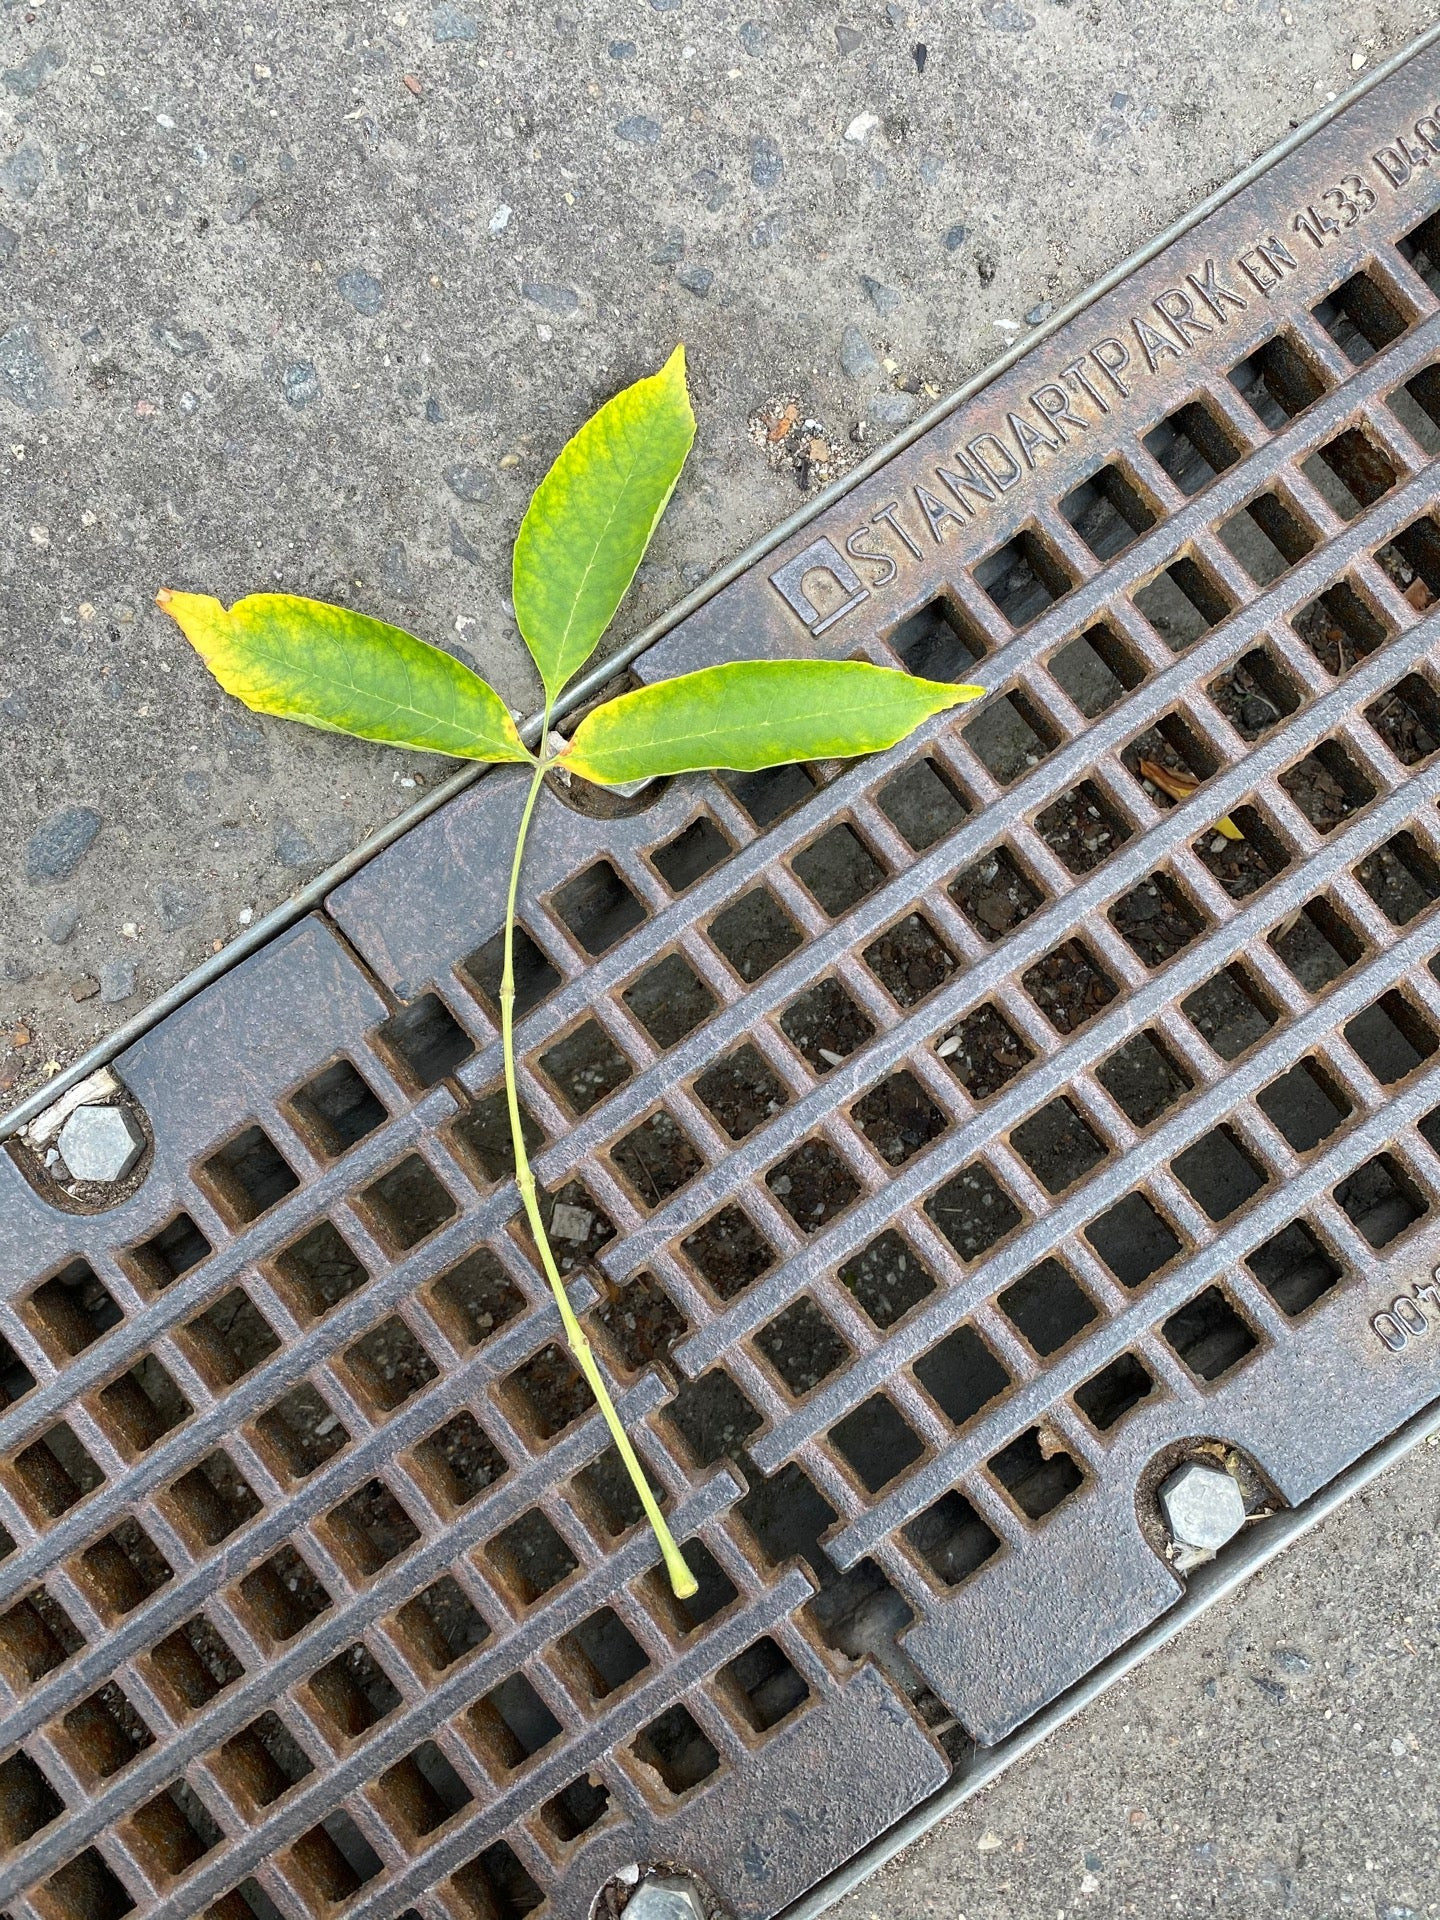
(1203, 1506)
(668, 1896)
(101, 1143)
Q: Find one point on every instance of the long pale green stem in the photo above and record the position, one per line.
(682, 1580)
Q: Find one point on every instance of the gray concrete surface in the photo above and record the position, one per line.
(1280, 1756)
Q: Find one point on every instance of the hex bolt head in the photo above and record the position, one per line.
(668, 1896)
(101, 1143)
(1203, 1506)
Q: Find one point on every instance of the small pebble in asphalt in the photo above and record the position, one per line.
(60, 843)
(117, 981)
(61, 924)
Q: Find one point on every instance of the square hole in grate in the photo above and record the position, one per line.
(354, 1692)
(598, 907)
(813, 1184)
(973, 1211)
(1245, 864)
(657, 1159)
(1340, 627)
(910, 960)
(300, 1433)
(1209, 1335)
(755, 933)
(1047, 1306)
(261, 1762)
(1036, 1472)
(1230, 1012)
(175, 1249)
(535, 977)
(1306, 1105)
(586, 1066)
(1255, 694)
(1167, 759)
(602, 1655)
(1421, 247)
(336, 1109)
(669, 1000)
(482, 1135)
(229, 1339)
(1417, 406)
(802, 1347)
(728, 1253)
(1133, 1240)
(474, 1300)
(898, 1118)
(1095, 670)
(995, 895)
(1107, 512)
(36, 1636)
(788, 1517)
(951, 1539)
(1392, 1038)
(421, 1791)
(961, 1375)
(887, 1279)
(939, 642)
(334, 1859)
(825, 1024)
(213, 1499)
(1401, 878)
(1327, 786)
(1156, 919)
(984, 1052)
(248, 1176)
(193, 1665)
(143, 1405)
(712, 1416)
(28, 1802)
(576, 1226)
(1277, 381)
(425, 1040)
(1219, 1173)
(606, 1496)
(407, 1204)
(494, 1885)
(16, 1379)
(876, 1443)
(123, 1568)
(389, 1365)
(1113, 1392)
(1009, 736)
(85, 1889)
(1412, 561)
(1407, 719)
(1069, 986)
(1381, 1200)
(1350, 472)
(1182, 602)
(1023, 577)
(1192, 446)
(531, 1556)
(283, 1596)
(1360, 318)
(675, 1748)
(772, 792)
(550, 1392)
(1294, 1268)
(642, 1323)
(1266, 537)
(1057, 1145)
(56, 1472)
(839, 869)
(512, 1723)
(694, 852)
(741, 1092)
(1143, 1080)
(318, 1270)
(923, 804)
(104, 1733)
(370, 1529)
(73, 1308)
(764, 1686)
(440, 1626)
(1082, 828)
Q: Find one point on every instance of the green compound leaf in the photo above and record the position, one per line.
(587, 528)
(305, 660)
(755, 713)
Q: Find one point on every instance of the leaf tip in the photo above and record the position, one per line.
(164, 597)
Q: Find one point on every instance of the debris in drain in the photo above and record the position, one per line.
(1180, 786)
(94, 1089)
(571, 1223)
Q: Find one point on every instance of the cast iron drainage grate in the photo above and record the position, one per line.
(941, 1145)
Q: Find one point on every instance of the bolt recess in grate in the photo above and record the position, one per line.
(938, 1144)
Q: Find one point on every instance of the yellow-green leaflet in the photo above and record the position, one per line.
(305, 660)
(755, 713)
(586, 530)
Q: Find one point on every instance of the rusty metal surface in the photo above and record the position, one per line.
(903, 1354)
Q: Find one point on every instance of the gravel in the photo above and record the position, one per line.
(58, 845)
